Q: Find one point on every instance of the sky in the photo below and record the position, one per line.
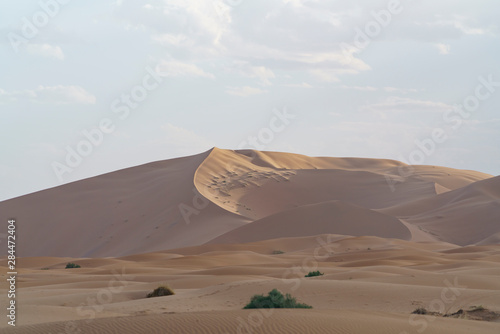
(90, 87)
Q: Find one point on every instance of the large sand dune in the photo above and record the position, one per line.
(193, 200)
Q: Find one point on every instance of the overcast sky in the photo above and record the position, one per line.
(89, 87)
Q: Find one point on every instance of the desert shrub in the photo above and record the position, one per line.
(276, 252)
(314, 273)
(274, 299)
(161, 291)
(420, 310)
(72, 265)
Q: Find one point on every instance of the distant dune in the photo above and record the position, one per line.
(224, 195)
(464, 216)
(323, 218)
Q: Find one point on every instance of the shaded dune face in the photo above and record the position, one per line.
(235, 196)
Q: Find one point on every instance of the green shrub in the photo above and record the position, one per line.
(276, 252)
(274, 299)
(314, 273)
(72, 265)
(161, 291)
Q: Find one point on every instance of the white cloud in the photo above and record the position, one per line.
(395, 103)
(263, 74)
(384, 89)
(173, 39)
(443, 49)
(245, 69)
(45, 50)
(207, 18)
(449, 26)
(400, 90)
(244, 91)
(7, 97)
(360, 88)
(267, 38)
(63, 95)
(173, 68)
(50, 95)
(459, 24)
(330, 75)
(301, 85)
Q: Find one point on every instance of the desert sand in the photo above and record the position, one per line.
(222, 226)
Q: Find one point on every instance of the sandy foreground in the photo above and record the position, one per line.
(222, 226)
(370, 285)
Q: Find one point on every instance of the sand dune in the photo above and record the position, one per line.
(463, 216)
(191, 201)
(243, 181)
(322, 218)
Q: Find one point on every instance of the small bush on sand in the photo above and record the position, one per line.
(276, 252)
(161, 291)
(420, 310)
(71, 265)
(274, 299)
(314, 273)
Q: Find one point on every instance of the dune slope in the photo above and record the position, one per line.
(130, 211)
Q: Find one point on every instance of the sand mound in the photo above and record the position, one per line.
(329, 217)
